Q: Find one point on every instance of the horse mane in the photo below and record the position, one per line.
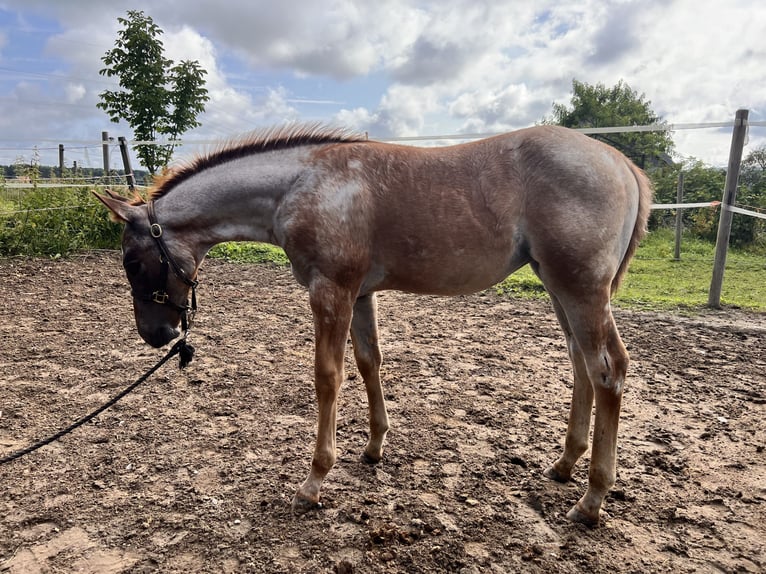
(258, 141)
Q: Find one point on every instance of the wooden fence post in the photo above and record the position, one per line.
(729, 198)
(61, 160)
(126, 163)
(105, 150)
(679, 215)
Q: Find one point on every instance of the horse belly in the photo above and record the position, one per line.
(459, 272)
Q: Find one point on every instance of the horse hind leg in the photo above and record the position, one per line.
(600, 361)
(364, 336)
(576, 442)
(606, 363)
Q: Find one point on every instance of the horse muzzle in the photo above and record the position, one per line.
(160, 336)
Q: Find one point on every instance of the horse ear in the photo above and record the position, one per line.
(113, 195)
(119, 207)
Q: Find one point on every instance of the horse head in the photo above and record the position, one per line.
(159, 283)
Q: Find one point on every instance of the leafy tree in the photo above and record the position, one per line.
(701, 183)
(156, 95)
(599, 106)
(756, 159)
(706, 183)
(751, 193)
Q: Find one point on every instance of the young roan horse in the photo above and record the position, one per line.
(357, 216)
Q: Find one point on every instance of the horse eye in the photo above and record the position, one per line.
(132, 267)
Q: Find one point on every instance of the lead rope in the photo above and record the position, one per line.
(182, 348)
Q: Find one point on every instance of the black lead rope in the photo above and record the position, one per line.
(182, 348)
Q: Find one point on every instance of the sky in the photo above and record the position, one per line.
(391, 68)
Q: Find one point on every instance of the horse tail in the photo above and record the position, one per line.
(645, 193)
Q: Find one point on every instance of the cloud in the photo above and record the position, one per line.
(74, 93)
(338, 39)
(618, 33)
(429, 62)
(494, 111)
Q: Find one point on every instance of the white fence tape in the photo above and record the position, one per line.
(734, 209)
(465, 136)
(684, 205)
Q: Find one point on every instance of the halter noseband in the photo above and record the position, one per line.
(160, 296)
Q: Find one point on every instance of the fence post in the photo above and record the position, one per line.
(105, 150)
(729, 198)
(679, 215)
(61, 161)
(126, 163)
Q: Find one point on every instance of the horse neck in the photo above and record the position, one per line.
(233, 201)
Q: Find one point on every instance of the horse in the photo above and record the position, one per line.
(356, 216)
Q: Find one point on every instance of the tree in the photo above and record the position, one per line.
(157, 96)
(599, 106)
(706, 183)
(701, 183)
(751, 193)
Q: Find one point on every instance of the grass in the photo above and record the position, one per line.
(655, 280)
(249, 252)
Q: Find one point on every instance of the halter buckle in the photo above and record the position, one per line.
(155, 230)
(160, 297)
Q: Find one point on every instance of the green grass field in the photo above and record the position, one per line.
(654, 281)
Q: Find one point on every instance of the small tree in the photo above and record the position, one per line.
(157, 96)
(599, 106)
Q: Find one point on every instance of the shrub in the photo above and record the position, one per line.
(55, 222)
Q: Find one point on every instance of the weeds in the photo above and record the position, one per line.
(55, 222)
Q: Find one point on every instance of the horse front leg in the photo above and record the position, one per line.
(364, 336)
(331, 306)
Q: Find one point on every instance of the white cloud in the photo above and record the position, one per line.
(339, 39)
(75, 93)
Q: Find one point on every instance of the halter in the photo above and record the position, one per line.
(160, 296)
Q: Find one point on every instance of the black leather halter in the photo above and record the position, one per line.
(160, 296)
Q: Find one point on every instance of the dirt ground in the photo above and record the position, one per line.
(195, 470)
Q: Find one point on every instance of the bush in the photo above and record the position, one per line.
(704, 183)
(56, 222)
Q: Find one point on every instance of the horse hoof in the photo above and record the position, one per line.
(367, 459)
(302, 506)
(554, 474)
(576, 514)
